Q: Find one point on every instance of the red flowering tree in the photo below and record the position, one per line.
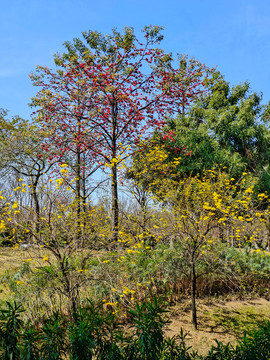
(61, 113)
(109, 92)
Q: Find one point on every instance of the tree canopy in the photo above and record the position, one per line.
(229, 126)
(108, 93)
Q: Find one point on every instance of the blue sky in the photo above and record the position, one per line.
(232, 35)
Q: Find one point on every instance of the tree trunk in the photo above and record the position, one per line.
(115, 209)
(84, 209)
(143, 204)
(221, 233)
(193, 296)
(84, 198)
(268, 238)
(78, 193)
(36, 227)
(70, 291)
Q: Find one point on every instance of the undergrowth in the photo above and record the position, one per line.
(94, 333)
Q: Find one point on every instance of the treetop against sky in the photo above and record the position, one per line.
(232, 35)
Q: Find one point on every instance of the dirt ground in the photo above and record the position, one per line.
(225, 321)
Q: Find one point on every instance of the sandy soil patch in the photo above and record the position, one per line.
(225, 321)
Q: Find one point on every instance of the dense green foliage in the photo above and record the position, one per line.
(96, 335)
(229, 126)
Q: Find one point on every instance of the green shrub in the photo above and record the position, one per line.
(10, 327)
(95, 334)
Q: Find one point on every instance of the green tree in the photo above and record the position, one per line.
(229, 126)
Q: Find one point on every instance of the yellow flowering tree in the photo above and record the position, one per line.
(22, 152)
(63, 257)
(200, 206)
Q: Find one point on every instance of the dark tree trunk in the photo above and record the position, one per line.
(144, 211)
(84, 208)
(221, 233)
(193, 296)
(115, 209)
(84, 197)
(70, 291)
(36, 206)
(78, 193)
(268, 238)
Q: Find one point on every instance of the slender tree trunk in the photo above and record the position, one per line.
(36, 206)
(142, 203)
(268, 238)
(193, 296)
(221, 233)
(78, 193)
(71, 293)
(115, 208)
(144, 225)
(84, 197)
(84, 208)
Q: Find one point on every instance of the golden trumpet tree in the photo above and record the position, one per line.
(200, 207)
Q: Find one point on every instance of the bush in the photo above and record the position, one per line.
(94, 334)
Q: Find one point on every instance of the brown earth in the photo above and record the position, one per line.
(225, 321)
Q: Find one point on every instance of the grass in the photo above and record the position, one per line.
(12, 259)
(218, 318)
(238, 321)
(12, 262)
(225, 320)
